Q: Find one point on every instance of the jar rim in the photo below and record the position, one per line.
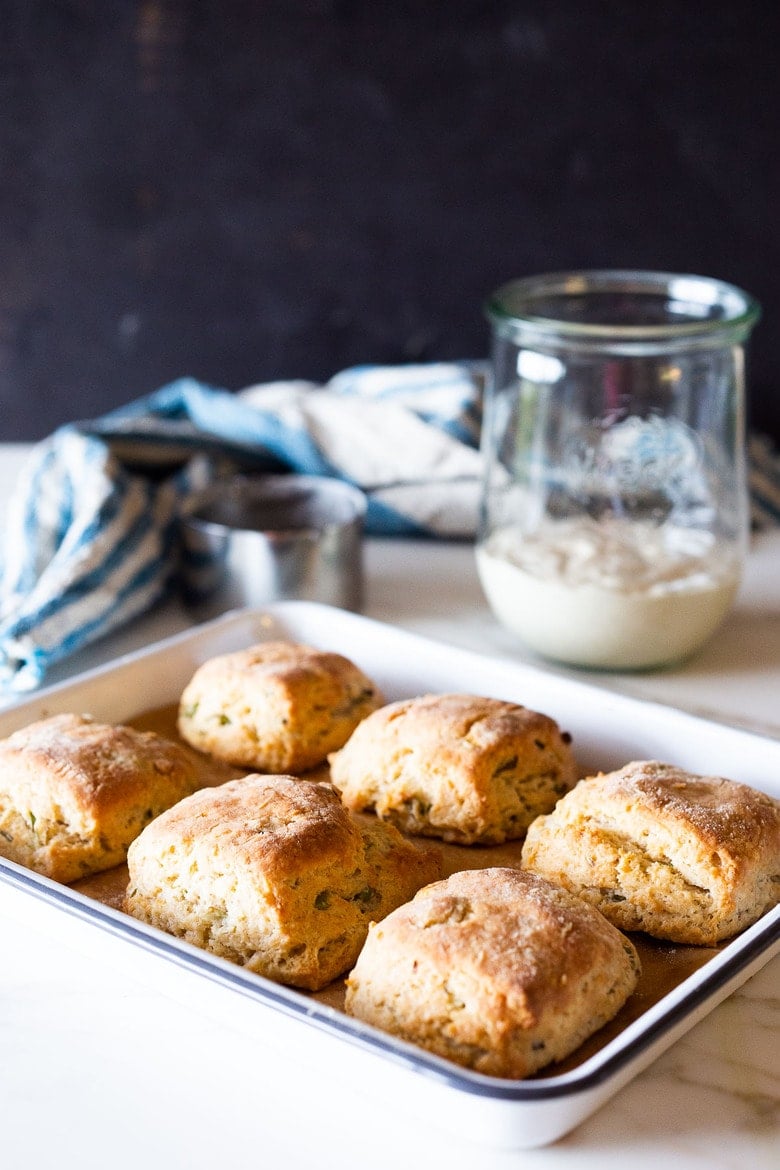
(706, 308)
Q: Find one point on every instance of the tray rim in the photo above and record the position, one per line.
(759, 942)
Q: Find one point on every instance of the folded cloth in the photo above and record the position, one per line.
(91, 532)
(90, 538)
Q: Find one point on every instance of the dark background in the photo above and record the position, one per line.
(250, 191)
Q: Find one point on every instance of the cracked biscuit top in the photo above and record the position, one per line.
(74, 792)
(275, 874)
(688, 858)
(275, 707)
(495, 969)
(465, 768)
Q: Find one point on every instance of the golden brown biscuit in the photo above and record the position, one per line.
(461, 767)
(74, 793)
(275, 707)
(688, 858)
(273, 873)
(495, 969)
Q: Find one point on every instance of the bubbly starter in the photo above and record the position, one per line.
(610, 593)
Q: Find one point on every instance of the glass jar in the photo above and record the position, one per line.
(614, 516)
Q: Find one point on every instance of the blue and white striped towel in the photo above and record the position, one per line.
(90, 539)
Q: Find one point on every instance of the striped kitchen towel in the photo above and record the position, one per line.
(90, 535)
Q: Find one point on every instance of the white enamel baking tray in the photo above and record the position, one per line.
(608, 730)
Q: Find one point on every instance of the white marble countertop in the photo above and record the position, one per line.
(101, 1070)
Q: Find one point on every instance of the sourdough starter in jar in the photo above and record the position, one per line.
(612, 594)
(613, 521)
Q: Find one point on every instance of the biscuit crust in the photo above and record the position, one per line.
(688, 858)
(465, 768)
(74, 792)
(273, 873)
(276, 707)
(495, 969)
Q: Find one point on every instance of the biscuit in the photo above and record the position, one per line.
(74, 793)
(275, 874)
(494, 969)
(275, 707)
(460, 767)
(691, 859)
